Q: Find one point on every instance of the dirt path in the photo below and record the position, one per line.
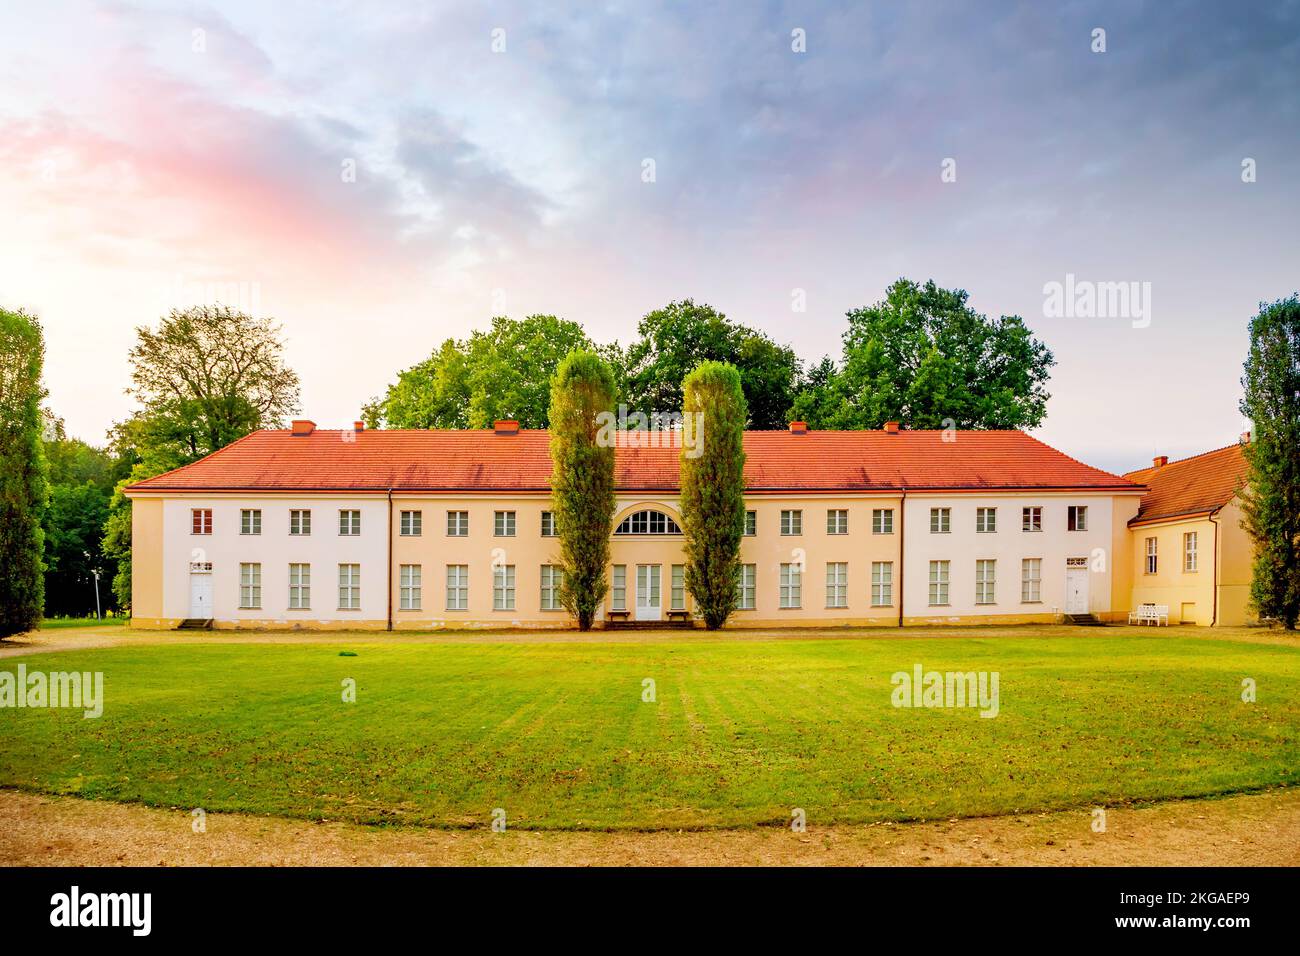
(94, 637)
(1253, 830)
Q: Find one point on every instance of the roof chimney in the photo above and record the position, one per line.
(506, 426)
(302, 427)
(891, 428)
(798, 428)
(1159, 461)
(1245, 438)
(358, 426)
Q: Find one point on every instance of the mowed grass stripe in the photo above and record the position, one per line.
(740, 733)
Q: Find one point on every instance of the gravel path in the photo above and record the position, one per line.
(1250, 830)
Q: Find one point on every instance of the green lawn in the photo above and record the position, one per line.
(62, 623)
(557, 733)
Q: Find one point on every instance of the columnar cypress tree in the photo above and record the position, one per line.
(582, 480)
(713, 487)
(1271, 501)
(23, 490)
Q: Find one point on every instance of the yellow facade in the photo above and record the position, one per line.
(1223, 551)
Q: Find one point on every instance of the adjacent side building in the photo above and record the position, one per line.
(1189, 550)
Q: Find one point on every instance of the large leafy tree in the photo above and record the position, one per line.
(205, 377)
(503, 372)
(924, 357)
(1271, 499)
(713, 488)
(23, 489)
(677, 338)
(582, 480)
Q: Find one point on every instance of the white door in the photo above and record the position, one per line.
(648, 598)
(201, 594)
(1076, 590)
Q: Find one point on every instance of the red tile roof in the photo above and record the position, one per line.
(481, 461)
(1193, 486)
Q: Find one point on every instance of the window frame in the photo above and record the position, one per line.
(1031, 580)
(1031, 519)
(410, 523)
(941, 520)
(457, 524)
(986, 520)
(882, 583)
(986, 580)
(837, 521)
(350, 527)
(300, 522)
(505, 524)
(747, 590)
(299, 586)
(1191, 555)
(250, 583)
(504, 588)
(940, 584)
(352, 587)
(882, 520)
(552, 579)
(791, 587)
(1151, 562)
(201, 521)
(456, 596)
(837, 586)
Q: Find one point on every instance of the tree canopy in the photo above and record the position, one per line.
(23, 488)
(1271, 500)
(503, 372)
(923, 357)
(674, 340)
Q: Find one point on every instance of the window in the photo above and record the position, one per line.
(940, 520)
(250, 521)
(618, 588)
(1031, 519)
(1153, 563)
(1076, 518)
(503, 586)
(300, 586)
(882, 583)
(349, 522)
(648, 522)
(985, 582)
(837, 584)
(349, 587)
(300, 521)
(503, 524)
(1031, 580)
(882, 521)
(250, 585)
(409, 582)
(791, 522)
(412, 524)
(745, 595)
(986, 520)
(837, 521)
(791, 585)
(552, 578)
(938, 583)
(751, 523)
(1189, 551)
(201, 521)
(548, 524)
(677, 596)
(457, 585)
(457, 524)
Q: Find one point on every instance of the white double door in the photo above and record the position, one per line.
(201, 594)
(1076, 590)
(649, 592)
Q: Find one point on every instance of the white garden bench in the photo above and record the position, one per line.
(1150, 614)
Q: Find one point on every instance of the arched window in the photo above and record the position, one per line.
(648, 522)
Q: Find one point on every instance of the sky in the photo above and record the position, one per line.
(380, 177)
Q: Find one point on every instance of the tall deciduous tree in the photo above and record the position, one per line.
(582, 480)
(1271, 499)
(924, 357)
(503, 372)
(713, 488)
(23, 490)
(205, 377)
(675, 339)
